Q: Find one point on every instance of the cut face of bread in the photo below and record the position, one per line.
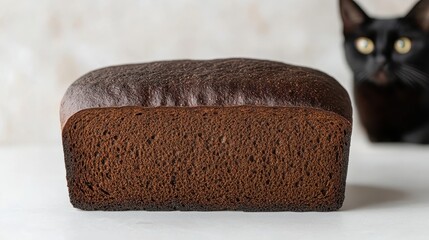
(207, 158)
(229, 134)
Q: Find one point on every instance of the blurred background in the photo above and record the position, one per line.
(47, 44)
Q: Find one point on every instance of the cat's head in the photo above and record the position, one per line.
(386, 51)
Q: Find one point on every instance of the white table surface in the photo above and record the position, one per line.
(387, 197)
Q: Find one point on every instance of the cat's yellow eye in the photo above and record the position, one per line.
(364, 45)
(403, 45)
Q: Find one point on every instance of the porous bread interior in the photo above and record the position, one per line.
(207, 158)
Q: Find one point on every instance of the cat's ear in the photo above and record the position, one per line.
(353, 16)
(419, 14)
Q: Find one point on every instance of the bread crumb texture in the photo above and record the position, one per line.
(248, 158)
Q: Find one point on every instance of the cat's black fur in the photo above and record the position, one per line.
(391, 90)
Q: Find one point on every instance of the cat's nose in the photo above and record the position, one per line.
(381, 77)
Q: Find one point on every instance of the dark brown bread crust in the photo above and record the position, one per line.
(249, 158)
(230, 134)
(222, 82)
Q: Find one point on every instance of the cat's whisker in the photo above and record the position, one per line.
(410, 73)
(411, 79)
(421, 75)
(361, 76)
(404, 78)
(401, 77)
(415, 75)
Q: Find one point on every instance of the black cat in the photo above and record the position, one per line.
(390, 62)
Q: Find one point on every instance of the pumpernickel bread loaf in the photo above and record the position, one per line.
(228, 134)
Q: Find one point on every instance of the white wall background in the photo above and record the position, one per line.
(46, 44)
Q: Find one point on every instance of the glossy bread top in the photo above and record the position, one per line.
(221, 82)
